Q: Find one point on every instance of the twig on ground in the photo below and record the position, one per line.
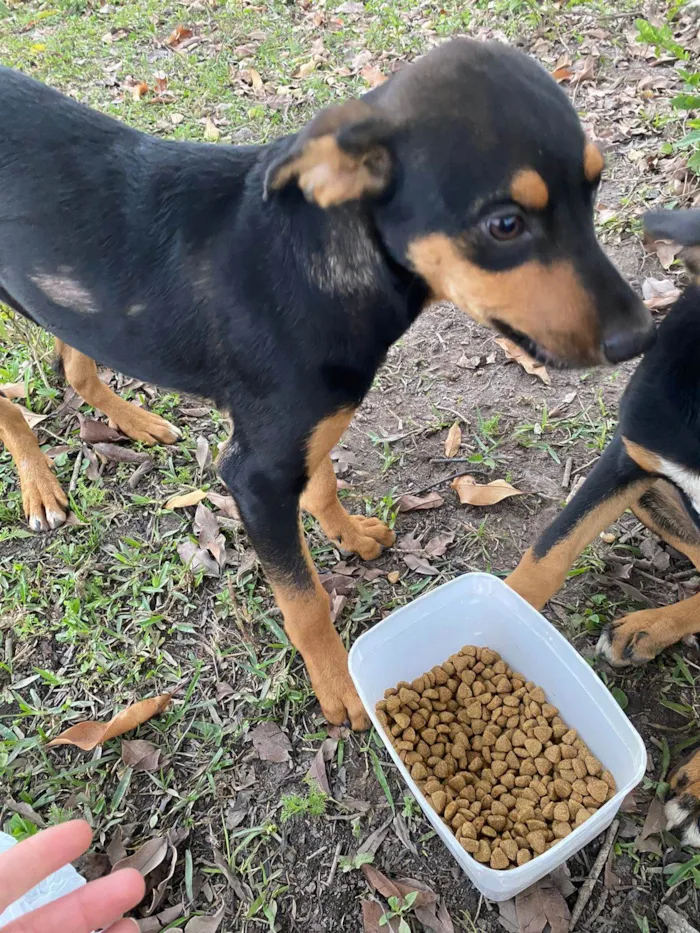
(444, 479)
(584, 895)
(334, 865)
(566, 478)
(76, 471)
(675, 922)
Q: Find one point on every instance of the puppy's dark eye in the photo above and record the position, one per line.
(506, 227)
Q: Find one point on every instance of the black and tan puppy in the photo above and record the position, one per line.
(652, 466)
(273, 279)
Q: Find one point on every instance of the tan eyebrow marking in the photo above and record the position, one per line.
(529, 189)
(593, 162)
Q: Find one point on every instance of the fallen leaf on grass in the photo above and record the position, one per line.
(24, 809)
(120, 454)
(141, 755)
(178, 35)
(542, 908)
(87, 735)
(115, 850)
(453, 440)
(31, 417)
(518, 355)
(410, 503)
(198, 558)
(203, 454)
(372, 915)
(138, 90)
(659, 293)
(420, 565)
(255, 79)
(666, 251)
(271, 743)
(94, 431)
(373, 76)
(399, 887)
(13, 390)
(147, 858)
(562, 73)
(211, 130)
(159, 922)
(206, 527)
(225, 504)
(472, 493)
(654, 824)
(586, 72)
(438, 545)
(318, 770)
(206, 924)
(186, 499)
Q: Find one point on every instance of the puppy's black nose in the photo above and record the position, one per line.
(627, 344)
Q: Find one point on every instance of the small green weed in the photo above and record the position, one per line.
(313, 804)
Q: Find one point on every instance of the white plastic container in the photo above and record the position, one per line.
(479, 609)
(61, 882)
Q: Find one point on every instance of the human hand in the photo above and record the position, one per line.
(92, 907)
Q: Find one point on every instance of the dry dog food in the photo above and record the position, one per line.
(493, 757)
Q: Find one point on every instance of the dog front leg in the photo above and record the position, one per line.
(615, 483)
(45, 503)
(269, 508)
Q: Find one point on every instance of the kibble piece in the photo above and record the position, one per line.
(499, 859)
(582, 816)
(469, 845)
(523, 856)
(580, 769)
(593, 766)
(561, 829)
(561, 812)
(510, 847)
(598, 790)
(419, 772)
(537, 841)
(439, 801)
(562, 788)
(483, 852)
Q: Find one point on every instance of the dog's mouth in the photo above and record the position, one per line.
(533, 348)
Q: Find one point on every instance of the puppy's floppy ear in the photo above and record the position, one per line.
(341, 155)
(681, 226)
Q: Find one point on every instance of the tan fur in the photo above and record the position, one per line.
(528, 188)
(646, 459)
(135, 422)
(328, 175)
(45, 503)
(538, 580)
(593, 162)
(548, 303)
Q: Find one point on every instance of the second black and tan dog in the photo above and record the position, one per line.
(652, 466)
(273, 279)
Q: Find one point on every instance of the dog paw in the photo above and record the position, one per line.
(636, 639)
(366, 536)
(334, 688)
(683, 809)
(142, 425)
(45, 503)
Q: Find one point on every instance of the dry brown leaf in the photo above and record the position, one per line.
(225, 504)
(654, 824)
(585, 72)
(542, 907)
(87, 735)
(120, 454)
(420, 565)
(211, 130)
(159, 922)
(94, 431)
(373, 76)
(31, 417)
(518, 355)
(453, 440)
(666, 251)
(13, 390)
(147, 858)
(203, 454)
(270, 742)
(138, 90)
(410, 503)
(372, 914)
(659, 293)
(305, 70)
(437, 546)
(186, 499)
(140, 755)
(205, 526)
(115, 850)
(562, 73)
(255, 79)
(206, 924)
(178, 35)
(198, 558)
(472, 493)
(161, 81)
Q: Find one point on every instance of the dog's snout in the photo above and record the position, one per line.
(626, 344)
